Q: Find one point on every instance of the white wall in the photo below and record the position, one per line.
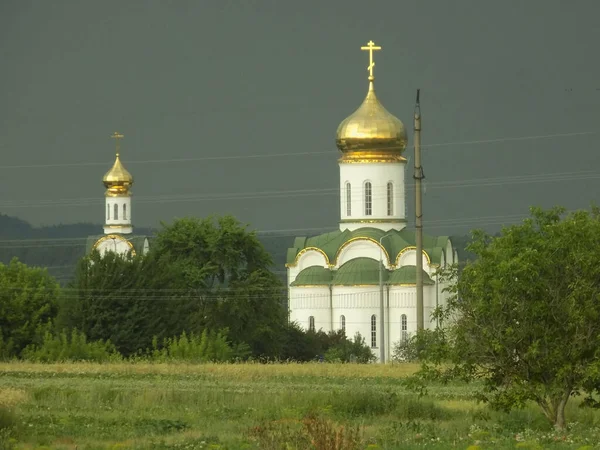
(310, 301)
(362, 248)
(122, 224)
(379, 174)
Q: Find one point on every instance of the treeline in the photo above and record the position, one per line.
(204, 292)
(60, 247)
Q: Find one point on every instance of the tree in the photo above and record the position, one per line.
(525, 316)
(125, 299)
(28, 303)
(225, 269)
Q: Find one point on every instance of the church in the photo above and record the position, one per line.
(118, 234)
(363, 275)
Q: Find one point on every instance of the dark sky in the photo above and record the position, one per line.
(187, 81)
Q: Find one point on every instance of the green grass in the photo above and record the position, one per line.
(288, 406)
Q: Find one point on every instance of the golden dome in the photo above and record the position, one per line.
(371, 132)
(117, 180)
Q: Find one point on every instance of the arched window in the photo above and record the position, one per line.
(404, 328)
(311, 323)
(368, 199)
(348, 199)
(343, 323)
(390, 198)
(124, 211)
(108, 211)
(373, 331)
(116, 214)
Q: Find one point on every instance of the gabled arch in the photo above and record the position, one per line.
(349, 242)
(408, 249)
(310, 249)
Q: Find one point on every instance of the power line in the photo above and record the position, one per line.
(291, 154)
(356, 190)
(282, 232)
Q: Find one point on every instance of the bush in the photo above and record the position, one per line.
(73, 347)
(350, 351)
(209, 346)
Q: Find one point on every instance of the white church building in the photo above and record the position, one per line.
(118, 234)
(334, 278)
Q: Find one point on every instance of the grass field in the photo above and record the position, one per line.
(247, 406)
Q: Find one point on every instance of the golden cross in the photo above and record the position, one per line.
(371, 46)
(116, 135)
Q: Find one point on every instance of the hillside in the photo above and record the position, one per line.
(59, 247)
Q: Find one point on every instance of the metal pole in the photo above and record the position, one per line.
(419, 213)
(382, 344)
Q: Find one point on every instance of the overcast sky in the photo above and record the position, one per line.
(188, 82)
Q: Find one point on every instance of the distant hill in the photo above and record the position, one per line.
(59, 247)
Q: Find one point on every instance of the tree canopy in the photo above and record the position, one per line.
(525, 316)
(28, 303)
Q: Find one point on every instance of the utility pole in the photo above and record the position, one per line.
(418, 176)
(381, 311)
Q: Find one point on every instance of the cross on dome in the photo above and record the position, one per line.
(371, 47)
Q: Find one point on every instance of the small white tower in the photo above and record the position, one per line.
(117, 210)
(372, 140)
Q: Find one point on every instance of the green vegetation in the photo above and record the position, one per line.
(524, 319)
(272, 406)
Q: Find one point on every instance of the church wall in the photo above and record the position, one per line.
(357, 304)
(361, 249)
(307, 259)
(409, 258)
(379, 174)
(310, 301)
(123, 216)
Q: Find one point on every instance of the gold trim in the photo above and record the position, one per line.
(307, 249)
(361, 238)
(113, 194)
(326, 286)
(118, 225)
(371, 156)
(406, 249)
(114, 237)
(373, 221)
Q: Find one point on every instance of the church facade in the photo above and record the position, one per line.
(118, 234)
(364, 273)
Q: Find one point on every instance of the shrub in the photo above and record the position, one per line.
(209, 346)
(73, 347)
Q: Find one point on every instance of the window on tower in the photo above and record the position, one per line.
(343, 323)
(311, 323)
(390, 199)
(348, 199)
(124, 212)
(404, 328)
(108, 211)
(373, 331)
(116, 213)
(368, 199)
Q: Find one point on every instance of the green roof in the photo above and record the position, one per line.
(408, 275)
(358, 271)
(394, 242)
(313, 276)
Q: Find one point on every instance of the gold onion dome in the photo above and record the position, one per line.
(117, 180)
(371, 132)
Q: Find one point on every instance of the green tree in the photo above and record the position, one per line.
(225, 269)
(126, 300)
(28, 303)
(525, 316)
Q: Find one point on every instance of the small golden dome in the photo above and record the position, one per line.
(117, 180)
(371, 132)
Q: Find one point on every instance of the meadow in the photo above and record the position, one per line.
(266, 406)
